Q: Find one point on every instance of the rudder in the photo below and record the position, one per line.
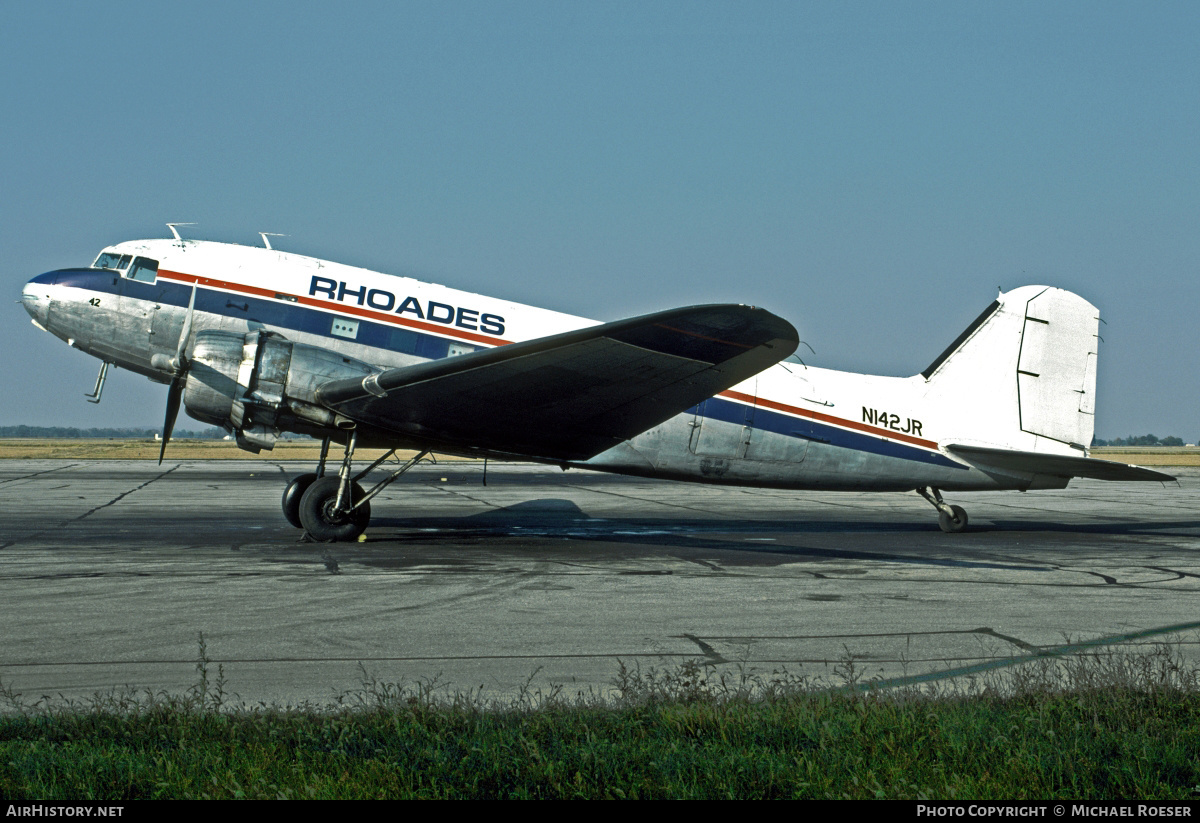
(1056, 372)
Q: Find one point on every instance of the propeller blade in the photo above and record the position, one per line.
(187, 329)
(179, 365)
(174, 393)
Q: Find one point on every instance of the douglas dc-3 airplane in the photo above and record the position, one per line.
(261, 342)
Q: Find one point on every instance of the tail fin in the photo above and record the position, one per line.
(1023, 371)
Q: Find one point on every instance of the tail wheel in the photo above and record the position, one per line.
(326, 524)
(953, 524)
(292, 495)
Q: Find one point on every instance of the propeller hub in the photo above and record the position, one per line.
(162, 362)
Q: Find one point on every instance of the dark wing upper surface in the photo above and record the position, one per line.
(570, 396)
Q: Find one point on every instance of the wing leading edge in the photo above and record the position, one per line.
(1059, 465)
(569, 396)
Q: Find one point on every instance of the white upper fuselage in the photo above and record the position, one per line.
(336, 288)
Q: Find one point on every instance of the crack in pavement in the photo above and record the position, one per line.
(118, 498)
(35, 474)
(711, 655)
(1020, 644)
(90, 511)
(1109, 579)
(472, 498)
(1045, 652)
(1180, 574)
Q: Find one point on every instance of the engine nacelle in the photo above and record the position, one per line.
(260, 384)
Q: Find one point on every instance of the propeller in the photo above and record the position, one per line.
(178, 367)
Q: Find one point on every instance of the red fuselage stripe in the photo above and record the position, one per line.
(828, 418)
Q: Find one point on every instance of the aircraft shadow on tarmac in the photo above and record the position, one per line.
(554, 527)
(559, 515)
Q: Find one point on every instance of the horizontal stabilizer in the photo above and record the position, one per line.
(569, 396)
(1009, 461)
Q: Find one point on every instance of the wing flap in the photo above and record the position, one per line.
(570, 396)
(1009, 461)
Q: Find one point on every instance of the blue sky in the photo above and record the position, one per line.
(870, 171)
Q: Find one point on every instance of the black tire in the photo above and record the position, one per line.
(291, 497)
(319, 519)
(955, 524)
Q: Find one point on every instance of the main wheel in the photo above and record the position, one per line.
(955, 524)
(291, 497)
(322, 522)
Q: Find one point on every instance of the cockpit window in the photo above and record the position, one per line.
(112, 260)
(143, 269)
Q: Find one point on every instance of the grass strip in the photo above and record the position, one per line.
(1112, 725)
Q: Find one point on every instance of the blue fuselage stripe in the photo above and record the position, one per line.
(769, 420)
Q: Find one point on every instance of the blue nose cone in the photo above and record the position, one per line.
(36, 297)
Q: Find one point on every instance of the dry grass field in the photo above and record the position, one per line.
(181, 449)
(1151, 455)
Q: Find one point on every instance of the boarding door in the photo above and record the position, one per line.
(722, 427)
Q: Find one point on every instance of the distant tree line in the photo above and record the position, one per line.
(1139, 440)
(212, 433)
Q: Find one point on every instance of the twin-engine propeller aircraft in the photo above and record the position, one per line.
(262, 342)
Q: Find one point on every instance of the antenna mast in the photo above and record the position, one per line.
(175, 231)
(265, 234)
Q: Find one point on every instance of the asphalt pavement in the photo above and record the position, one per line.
(111, 572)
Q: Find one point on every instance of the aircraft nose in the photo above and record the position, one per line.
(36, 297)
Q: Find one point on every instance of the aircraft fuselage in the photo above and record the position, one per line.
(791, 426)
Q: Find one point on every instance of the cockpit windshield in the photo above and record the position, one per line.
(143, 269)
(133, 268)
(112, 260)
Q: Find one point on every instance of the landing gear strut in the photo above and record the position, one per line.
(951, 519)
(332, 509)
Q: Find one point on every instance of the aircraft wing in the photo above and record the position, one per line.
(573, 395)
(1010, 461)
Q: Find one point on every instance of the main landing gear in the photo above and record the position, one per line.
(296, 489)
(951, 519)
(332, 509)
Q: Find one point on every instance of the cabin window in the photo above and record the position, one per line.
(143, 269)
(112, 260)
(345, 328)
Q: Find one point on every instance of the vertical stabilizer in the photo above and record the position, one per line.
(1026, 367)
